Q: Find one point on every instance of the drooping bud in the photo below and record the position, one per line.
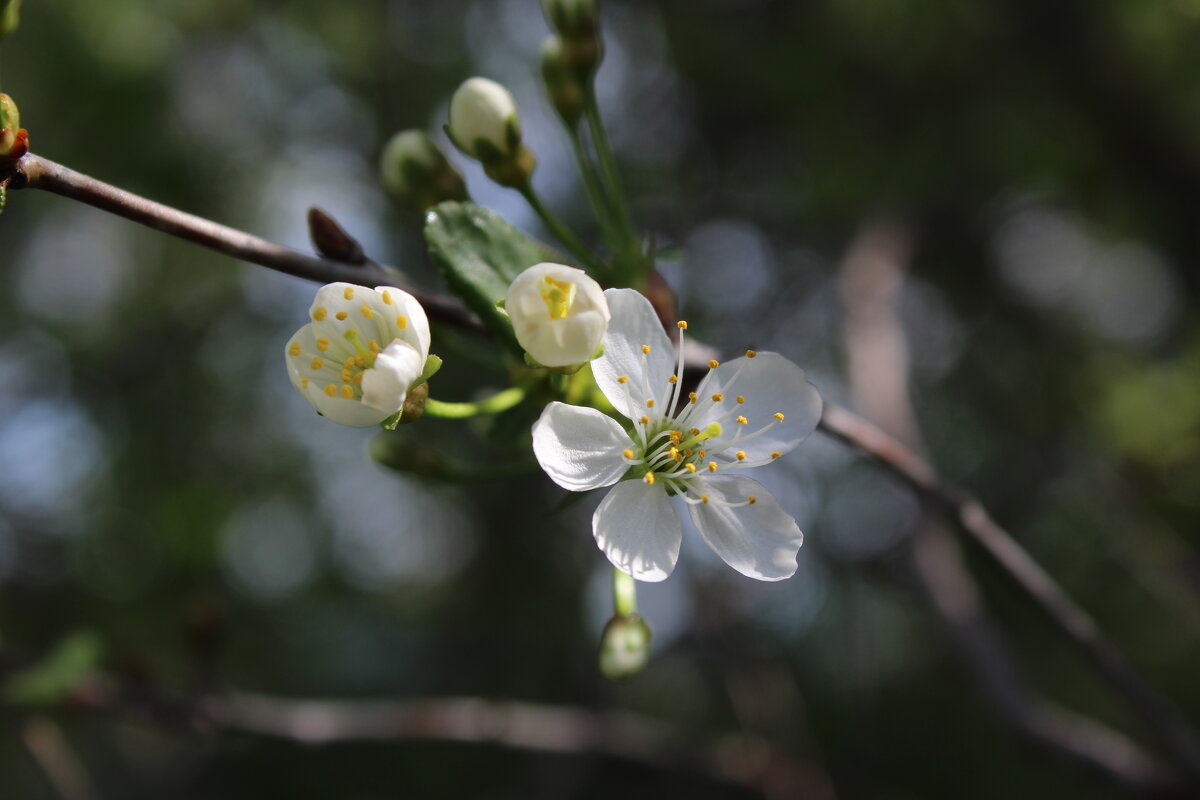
(559, 314)
(624, 646)
(577, 22)
(416, 172)
(485, 125)
(562, 85)
(10, 16)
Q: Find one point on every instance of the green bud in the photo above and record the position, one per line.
(416, 172)
(12, 139)
(624, 646)
(565, 91)
(484, 124)
(10, 16)
(577, 23)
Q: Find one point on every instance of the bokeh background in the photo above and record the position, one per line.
(173, 511)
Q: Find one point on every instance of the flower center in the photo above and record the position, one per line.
(558, 297)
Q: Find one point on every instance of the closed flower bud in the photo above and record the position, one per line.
(13, 140)
(624, 646)
(483, 120)
(558, 313)
(562, 85)
(416, 173)
(578, 25)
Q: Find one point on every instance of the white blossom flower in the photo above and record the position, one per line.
(362, 352)
(483, 119)
(744, 413)
(558, 313)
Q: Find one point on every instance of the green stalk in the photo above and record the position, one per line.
(624, 594)
(558, 227)
(601, 205)
(501, 401)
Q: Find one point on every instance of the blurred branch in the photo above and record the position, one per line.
(62, 767)
(732, 758)
(871, 282)
(35, 172)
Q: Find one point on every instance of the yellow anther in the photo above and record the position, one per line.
(319, 313)
(627, 453)
(622, 379)
(741, 420)
(676, 436)
(702, 455)
(778, 415)
(358, 378)
(691, 397)
(366, 310)
(673, 452)
(401, 322)
(751, 353)
(347, 391)
(294, 349)
(687, 453)
(303, 382)
(690, 467)
(682, 324)
(387, 297)
(645, 349)
(741, 455)
(322, 344)
(650, 478)
(776, 454)
(694, 431)
(718, 397)
(712, 466)
(330, 389)
(373, 346)
(317, 362)
(341, 315)
(704, 499)
(649, 404)
(713, 364)
(558, 296)
(361, 360)
(644, 420)
(674, 379)
(349, 293)
(741, 399)
(751, 499)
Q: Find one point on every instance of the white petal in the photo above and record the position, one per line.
(633, 325)
(638, 529)
(386, 384)
(759, 540)
(344, 411)
(769, 384)
(579, 448)
(557, 342)
(416, 328)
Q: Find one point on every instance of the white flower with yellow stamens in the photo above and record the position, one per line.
(362, 352)
(558, 313)
(744, 413)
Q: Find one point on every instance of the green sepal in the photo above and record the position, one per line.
(432, 365)
(480, 254)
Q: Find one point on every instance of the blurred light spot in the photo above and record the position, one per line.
(1042, 253)
(51, 453)
(269, 549)
(934, 335)
(1129, 294)
(727, 263)
(867, 515)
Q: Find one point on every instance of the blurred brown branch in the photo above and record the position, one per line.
(872, 278)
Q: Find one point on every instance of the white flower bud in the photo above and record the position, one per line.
(558, 313)
(416, 172)
(483, 120)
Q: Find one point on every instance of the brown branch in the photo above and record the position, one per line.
(739, 759)
(34, 172)
(872, 276)
(52, 752)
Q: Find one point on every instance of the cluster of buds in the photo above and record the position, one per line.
(484, 125)
(569, 57)
(416, 172)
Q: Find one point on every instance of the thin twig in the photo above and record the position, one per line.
(52, 752)
(34, 172)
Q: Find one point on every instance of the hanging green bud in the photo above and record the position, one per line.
(624, 646)
(577, 23)
(416, 173)
(484, 124)
(565, 91)
(10, 16)
(13, 139)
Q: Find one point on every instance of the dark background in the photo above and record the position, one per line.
(166, 494)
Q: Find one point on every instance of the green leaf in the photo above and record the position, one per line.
(52, 678)
(479, 254)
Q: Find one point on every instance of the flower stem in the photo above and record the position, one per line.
(601, 204)
(558, 227)
(501, 401)
(608, 163)
(624, 594)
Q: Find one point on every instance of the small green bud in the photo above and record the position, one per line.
(416, 172)
(565, 91)
(10, 16)
(577, 23)
(13, 140)
(624, 646)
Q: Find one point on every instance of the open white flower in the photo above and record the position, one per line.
(558, 313)
(744, 413)
(362, 352)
